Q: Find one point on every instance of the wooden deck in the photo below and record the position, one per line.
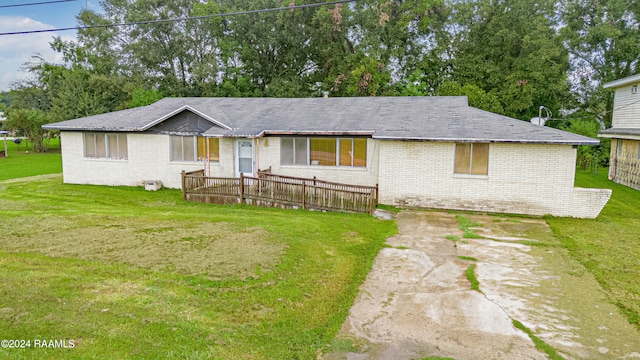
(282, 191)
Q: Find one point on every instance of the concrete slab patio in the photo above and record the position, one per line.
(417, 301)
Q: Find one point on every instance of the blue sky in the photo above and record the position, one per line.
(15, 50)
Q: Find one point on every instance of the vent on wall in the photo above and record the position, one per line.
(152, 185)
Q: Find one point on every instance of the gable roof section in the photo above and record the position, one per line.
(138, 119)
(178, 111)
(386, 118)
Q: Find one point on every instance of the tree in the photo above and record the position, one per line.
(602, 38)
(510, 49)
(143, 97)
(28, 123)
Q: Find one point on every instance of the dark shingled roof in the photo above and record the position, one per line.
(434, 118)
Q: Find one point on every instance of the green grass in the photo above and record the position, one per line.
(471, 276)
(466, 225)
(452, 238)
(19, 164)
(127, 273)
(608, 246)
(539, 343)
(468, 258)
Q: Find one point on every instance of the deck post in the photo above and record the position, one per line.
(241, 188)
(304, 195)
(371, 193)
(377, 194)
(184, 191)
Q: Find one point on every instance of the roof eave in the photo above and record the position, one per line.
(622, 82)
(76, 128)
(511, 141)
(619, 135)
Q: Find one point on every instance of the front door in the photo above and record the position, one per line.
(244, 157)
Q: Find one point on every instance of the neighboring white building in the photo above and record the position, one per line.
(624, 165)
(432, 152)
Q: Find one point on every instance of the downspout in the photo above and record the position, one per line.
(257, 156)
(207, 159)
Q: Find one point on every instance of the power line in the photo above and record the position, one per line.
(291, 7)
(593, 115)
(36, 3)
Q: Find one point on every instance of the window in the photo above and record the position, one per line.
(324, 151)
(472, 159)
(638, 151)
(194, 148)
(634, 89)
(214, 148)
(618, 147)
(105, 146)
(293, 151)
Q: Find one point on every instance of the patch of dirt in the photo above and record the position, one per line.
(417, 302)
(216, 250)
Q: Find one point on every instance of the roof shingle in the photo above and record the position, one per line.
(400, 118)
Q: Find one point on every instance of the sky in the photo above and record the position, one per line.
(15, 50)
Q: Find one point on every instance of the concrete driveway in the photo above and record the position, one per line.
(417, 301)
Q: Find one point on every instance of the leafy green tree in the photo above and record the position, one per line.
(28, 123)
(74, 96)
(143, 97)
(510, 49)
(602, 38)
(477, 97)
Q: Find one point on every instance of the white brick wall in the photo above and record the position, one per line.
(527, 179)
(148, 159)
(627, 108)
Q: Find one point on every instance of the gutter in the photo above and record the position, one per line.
(540, 142)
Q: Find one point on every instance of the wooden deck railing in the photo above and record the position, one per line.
(275, 190)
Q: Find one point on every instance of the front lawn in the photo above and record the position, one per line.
(129, 273)
(608, 246)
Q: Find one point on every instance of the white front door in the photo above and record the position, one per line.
(244, 157)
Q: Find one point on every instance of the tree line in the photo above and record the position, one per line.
(507, 56)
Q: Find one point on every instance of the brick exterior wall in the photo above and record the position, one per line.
(522, 179)
(148, 159)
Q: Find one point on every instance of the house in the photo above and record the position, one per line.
(434, 152)
(624, 166)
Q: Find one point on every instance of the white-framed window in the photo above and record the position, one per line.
(323, 151)
(105, 146)
(293, 151)
(471, 159)
(634, 89)
(619, 147)
(194, 148)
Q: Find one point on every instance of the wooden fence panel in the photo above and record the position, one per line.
(274, 190)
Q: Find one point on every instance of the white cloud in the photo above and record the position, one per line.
(15, 50)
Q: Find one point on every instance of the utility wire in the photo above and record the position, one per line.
(291, 7)
(36, 3)
(591, 116)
